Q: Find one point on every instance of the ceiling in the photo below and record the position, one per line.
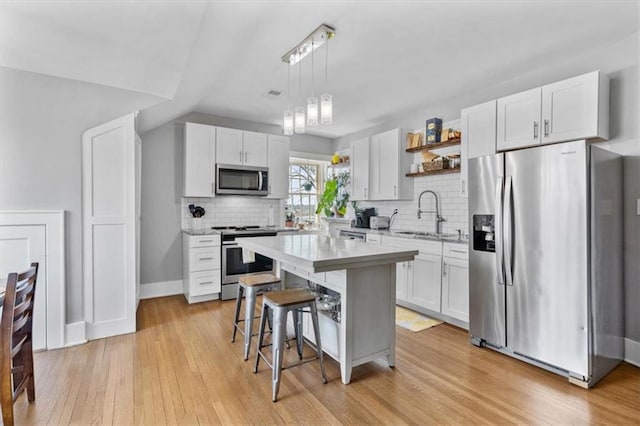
(221, 57)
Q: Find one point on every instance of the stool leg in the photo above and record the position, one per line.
(264, 315)
(297, 323)
(237, 315)
(249, 310)
(279, 335)
(316, 331)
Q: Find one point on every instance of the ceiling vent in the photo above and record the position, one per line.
(273, 93)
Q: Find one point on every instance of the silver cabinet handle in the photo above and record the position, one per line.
(241, 156)
(404, 265)
(462, 186)
(213, 188)
(458, 251)
(206, 282)
(245, 156)
(205, 258)
(497, 229)
(395, 190)
(535, 130)
(365, 192)
(444, 269)
(206, 241)
(546, 128)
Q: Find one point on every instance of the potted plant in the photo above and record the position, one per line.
(289, 218)
(335, 197)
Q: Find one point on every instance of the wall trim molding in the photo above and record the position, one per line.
(75, 334)
(632, 351)
(53, 221)
(160, 289)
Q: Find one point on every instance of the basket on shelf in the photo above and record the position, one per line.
(436, 164)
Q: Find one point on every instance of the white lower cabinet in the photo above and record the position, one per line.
(437, 281)
(201, 267)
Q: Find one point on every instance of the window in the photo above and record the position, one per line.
(305, 184)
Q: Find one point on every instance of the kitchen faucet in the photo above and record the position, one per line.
(439, 218)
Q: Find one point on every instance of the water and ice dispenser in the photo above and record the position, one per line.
(483, 232)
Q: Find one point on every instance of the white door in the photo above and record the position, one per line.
(479, 129)
(278, 159)
(360, 170)
(388, 172)
(425, 289)
(19, 246)
(109, 228)
(455, 288)
(199, 160)
(255, 149)
(229, 146)
(570, 109)
(519, 123)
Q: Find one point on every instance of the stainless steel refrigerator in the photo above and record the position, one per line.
(545, 258)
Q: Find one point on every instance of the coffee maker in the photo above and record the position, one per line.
(362, 217)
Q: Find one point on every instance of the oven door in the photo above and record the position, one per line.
(233, 267)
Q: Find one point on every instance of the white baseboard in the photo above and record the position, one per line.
(632, 352)
(75, 334)
(160, 289)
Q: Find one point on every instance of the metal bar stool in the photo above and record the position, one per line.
(251, 286)
(280, 303)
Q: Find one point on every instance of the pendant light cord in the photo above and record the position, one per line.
(289, 84)
(326, 65)
(300, 83)
(312, 80)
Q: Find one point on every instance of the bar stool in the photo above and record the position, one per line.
(281, 303)
(251, 286)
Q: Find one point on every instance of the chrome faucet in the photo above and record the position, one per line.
(439, 218)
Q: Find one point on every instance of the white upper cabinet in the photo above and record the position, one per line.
(478, 125)
(229, 146)
(278, 158)
(238, 147)
(254, 148)
(576, 108)
(199, 160)
(388, 161)
(360, 170)
(519, 120)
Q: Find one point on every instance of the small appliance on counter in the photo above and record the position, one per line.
(363, 217)
(379, 222)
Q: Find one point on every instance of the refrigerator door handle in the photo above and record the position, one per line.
(498, 229)
(508, 231)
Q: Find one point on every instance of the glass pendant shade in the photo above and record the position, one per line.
(326, 109)
(287, 124)
(299, 125)
(312, 111)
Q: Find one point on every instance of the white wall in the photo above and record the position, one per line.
(165, 212)
(43, 119)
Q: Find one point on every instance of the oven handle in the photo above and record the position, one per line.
(229, 243)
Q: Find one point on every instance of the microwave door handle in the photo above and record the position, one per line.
(508, 231)
(260, 181)
(497, 229)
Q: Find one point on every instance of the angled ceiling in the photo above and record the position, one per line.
(221, 57)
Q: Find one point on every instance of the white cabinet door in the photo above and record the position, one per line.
(387, 166)
(519, 123)
(199, 160)
(478, 136)
(360, 170)
(455, 288)
(278, 158)
(570, 109)
(229, 146)
(254, 149)
(424, 289)
(402, 280)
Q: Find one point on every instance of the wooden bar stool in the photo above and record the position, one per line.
(281, 303)
(251, 286)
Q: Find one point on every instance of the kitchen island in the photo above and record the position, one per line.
(363, 275)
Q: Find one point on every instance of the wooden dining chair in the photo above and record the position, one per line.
(16, 352)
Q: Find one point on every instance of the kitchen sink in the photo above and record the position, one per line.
(428, 235)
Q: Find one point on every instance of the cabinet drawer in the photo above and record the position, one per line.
(374, 238)
(424, 246)
(337, 278)
(317, 277)
(457, 251)
(204, 258)
(204, 240)
(205, 282)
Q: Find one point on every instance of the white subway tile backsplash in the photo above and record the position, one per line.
(232, 211)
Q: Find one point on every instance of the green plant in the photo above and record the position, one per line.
(335, 196)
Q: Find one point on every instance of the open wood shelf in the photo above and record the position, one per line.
(434, 172)
(430, 146)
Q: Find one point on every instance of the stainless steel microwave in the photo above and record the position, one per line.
(241, 180)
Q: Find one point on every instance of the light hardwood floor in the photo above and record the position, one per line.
(181, 368)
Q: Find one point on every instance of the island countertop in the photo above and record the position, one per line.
(319, 253)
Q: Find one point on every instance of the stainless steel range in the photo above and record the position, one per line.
(233, 266)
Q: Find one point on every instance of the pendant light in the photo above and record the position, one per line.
(287, 124)
(326, 103)
(312, 102)
(299, 124)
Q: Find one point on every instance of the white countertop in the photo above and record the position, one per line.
(319, 253)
